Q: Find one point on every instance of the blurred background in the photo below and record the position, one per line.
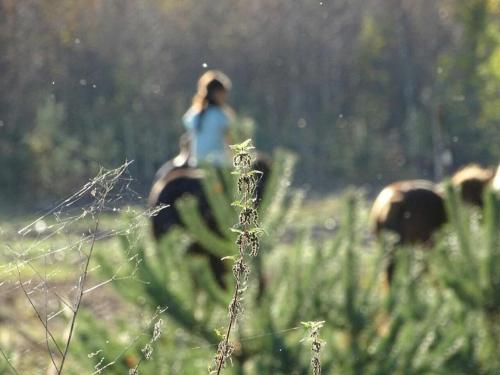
(363, 91)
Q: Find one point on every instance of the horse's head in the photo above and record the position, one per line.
(471, 181)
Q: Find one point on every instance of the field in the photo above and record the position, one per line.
(318, 261)
(282, 270)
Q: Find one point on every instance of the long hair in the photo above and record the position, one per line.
(209, 83)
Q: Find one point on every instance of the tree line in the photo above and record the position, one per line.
(363, 91)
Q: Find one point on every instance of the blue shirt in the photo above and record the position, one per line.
(207, 137)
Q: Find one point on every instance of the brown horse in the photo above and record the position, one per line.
(415, 210)
(412, 209)
(181, 181)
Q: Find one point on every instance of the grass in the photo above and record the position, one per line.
(314, 273)
(61, 273)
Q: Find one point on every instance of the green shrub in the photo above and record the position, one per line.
(440, 315)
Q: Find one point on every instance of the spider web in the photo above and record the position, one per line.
(45, 267)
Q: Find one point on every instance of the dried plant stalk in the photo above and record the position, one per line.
(247, 242)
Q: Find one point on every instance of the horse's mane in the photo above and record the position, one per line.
(496, 181)
(472, 172)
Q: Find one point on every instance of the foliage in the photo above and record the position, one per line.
(355, 84)
(440, 315)
(469, 265)
(51, 146)
(165, 282)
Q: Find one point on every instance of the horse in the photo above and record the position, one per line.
(179, 181)
(414, 210)
(471, 182)
(496, 180)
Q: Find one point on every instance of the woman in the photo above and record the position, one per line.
(208, 120)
